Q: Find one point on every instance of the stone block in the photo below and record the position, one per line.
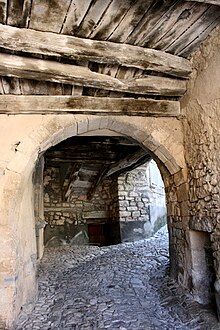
(135, 213)
(182, 192)
(172, 166)
(94, 123)
(151, 144)
(125, 214)
(132, 208)
(82, 125)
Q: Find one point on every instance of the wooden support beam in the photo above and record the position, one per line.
(97, 182)
(129, 162)
(72, 178)
(30, 68)
(211, 2)
(51, 44)
(14, 104)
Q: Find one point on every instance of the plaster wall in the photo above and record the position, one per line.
(25, 138)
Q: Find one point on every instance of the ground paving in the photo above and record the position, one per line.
(125, 287)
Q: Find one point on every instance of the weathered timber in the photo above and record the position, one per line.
(129, 162)
(192, 45)
(158, 35)
(95, 214)
(212, 2)
(131, 19)
(162, 25)
(57, 161)
(153, 15)
(74, 175)
(18, 12)
(175, 31)
(3, 11)
(97, 182)
(29, 68)
(51, 44)
(92, 18)
(75, 15)
(10, 104)
(115, 12)
(192, 35)
(47, 15)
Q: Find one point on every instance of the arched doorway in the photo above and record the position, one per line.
(19, 210)
(99, 190)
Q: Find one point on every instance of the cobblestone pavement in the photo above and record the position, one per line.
(123, 287)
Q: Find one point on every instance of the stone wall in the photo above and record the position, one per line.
(131, 207)
(142, 208)
(201, 108)
(66, 219)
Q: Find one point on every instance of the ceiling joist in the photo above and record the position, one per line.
(35, 104)
(43, 70)
(63, 46)
(131, 161)
(211, 2)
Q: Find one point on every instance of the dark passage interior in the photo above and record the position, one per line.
(100, 190)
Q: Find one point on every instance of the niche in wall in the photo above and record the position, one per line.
(203, 273)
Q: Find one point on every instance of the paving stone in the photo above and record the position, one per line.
(123, 287)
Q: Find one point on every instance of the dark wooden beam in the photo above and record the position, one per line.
(211, 2)
(51, 44)
(11, 104)
(97, 182)
(66, 190)
(43, 70)
(129, 162)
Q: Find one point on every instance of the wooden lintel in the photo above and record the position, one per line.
(21, 104)
(51, 44)
(43, 70)
(211, 2)
(129, 162)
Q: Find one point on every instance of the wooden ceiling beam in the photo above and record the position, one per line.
(43, 70)
(66, 190)
(97, 182)
(52, 44)
(129, 162)
(211, 2)
(35, 104)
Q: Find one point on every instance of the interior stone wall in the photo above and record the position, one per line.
(142, 209)
(201, 110)
(65, 219)
(25, 137)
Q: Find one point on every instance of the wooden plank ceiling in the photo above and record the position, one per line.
(104, 57)
(85, 161)
(100, 48)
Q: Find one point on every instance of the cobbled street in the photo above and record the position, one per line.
(123, 287)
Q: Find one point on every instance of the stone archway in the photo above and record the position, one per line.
(157, 136)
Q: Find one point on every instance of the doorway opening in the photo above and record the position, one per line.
(101, 190)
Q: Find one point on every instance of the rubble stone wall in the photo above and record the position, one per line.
(64, 217)
(142, 206)
(201, 110)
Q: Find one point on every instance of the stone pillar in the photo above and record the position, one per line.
(39, 206)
